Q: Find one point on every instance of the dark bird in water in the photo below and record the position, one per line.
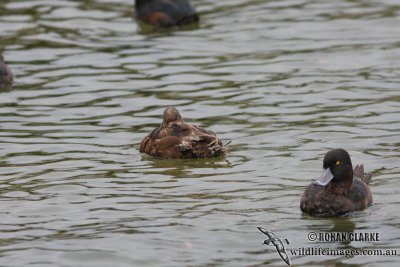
(340, 189)
(176, 139)
(165, 13)
(6, 76)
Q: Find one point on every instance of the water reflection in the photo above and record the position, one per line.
(153, 31)
(179, 168)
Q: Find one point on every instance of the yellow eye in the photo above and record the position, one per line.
(337, 162)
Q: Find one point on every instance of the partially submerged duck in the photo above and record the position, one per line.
(177, 139)
(165, 13)
(340, 189)
(6, 76)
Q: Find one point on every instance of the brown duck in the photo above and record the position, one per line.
(165, 13)
(176, 139)
(6, 76)
(340, 189)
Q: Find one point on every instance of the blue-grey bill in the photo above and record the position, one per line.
(325, 177)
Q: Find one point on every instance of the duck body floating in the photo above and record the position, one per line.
(175, 139)
(165, 13)
(6, 76)
(340, 189)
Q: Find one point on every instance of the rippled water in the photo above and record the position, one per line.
(284, 80)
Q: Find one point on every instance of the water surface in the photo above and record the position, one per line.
(284, 80)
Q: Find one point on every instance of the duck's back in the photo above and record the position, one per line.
(202, 145)
(6, 76)
(182, 141)
(320, 200)
(167, 12)
(166, 147)
(360, 194)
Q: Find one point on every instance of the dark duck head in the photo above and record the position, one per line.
(339, 189)
(338, 169)
(177, 139)
(165, 13)
(6, 76)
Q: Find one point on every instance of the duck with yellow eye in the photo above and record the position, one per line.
(339, 189)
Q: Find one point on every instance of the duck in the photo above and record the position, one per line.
(6, 76)
(175, 139)
(340, 189)
(165, 13)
